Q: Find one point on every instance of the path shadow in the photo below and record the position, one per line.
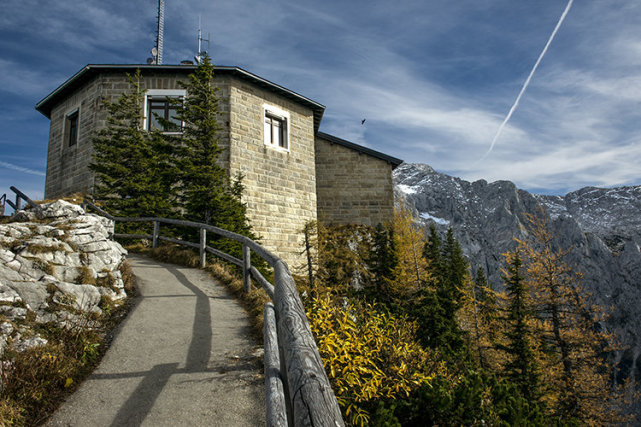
(141, 401)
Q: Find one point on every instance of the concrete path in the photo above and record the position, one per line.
(183, 357)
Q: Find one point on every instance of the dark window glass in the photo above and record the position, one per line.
(158, 108)
(276, 131)
(72, 128)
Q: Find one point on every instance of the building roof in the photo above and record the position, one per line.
(46, 105)
(359, 148)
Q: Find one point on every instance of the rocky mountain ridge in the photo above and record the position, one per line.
(602, 227)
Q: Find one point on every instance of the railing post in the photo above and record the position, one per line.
(246, 268)
(203, 244)
(154, 239)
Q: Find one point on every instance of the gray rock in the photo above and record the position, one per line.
(33, 293)
(27, 343)
(13, 313)
(601, 227)
(7, 294)
(61, 208)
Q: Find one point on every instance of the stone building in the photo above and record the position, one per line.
(293, 173)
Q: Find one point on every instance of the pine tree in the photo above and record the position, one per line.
(134, 170)
(206, 191)
(382, 262)
(521, 367)
(438, 306)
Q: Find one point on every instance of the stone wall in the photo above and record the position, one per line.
(352, 187)
(280, 185)
(68, 166)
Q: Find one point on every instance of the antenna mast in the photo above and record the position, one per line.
(161, 30)
(199, 52)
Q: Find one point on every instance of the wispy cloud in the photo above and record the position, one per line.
(21, 169)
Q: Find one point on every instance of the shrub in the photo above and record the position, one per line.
(368, 354)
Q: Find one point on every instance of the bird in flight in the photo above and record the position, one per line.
(363, 121)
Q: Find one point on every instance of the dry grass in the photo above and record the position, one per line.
(38, 380)
(85, 277)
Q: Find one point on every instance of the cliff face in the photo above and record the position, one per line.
(601, 226)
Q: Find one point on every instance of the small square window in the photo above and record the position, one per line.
(161, 105)
(71, 128)
(276, 132)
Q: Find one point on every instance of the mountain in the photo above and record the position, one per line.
(601, 227)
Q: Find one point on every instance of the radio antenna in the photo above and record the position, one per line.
(200, 53)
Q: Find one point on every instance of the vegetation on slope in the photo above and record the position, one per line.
(389, 305)
(36, 381)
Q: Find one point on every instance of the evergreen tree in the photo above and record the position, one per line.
(382, 262)
(432, 251)
(134, 170)
(437, 306)
(521, 367)
(206, 191)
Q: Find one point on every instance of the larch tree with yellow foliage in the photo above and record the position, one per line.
(576, 378)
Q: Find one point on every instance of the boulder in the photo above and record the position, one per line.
(44, 258)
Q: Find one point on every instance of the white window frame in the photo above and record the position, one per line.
(277, 113)
(169, 93)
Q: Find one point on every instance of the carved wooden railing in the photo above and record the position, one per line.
(297, 390)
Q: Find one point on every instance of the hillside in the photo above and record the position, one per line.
(601, 226)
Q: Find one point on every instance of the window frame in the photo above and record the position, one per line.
(72, 128)
(278, 115)
(157, 95)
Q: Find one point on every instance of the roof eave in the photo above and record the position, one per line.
(360, 149)
(45, 107)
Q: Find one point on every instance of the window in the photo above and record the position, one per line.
(71, 128)
(276, 132)
(158, 107)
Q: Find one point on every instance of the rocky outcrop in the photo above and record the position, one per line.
(58, 265)
(602, 227)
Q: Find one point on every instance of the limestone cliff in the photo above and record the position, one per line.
(601, 226)
(55, 266)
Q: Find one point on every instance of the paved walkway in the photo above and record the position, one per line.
(183, 356)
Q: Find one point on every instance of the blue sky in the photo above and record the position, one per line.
(434, 79)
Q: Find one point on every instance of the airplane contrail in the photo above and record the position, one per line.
(21, 169)
(527, 81)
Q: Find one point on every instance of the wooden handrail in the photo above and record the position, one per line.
(18, 205)
(297, 390)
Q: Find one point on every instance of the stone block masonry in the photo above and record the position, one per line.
(280, 185)
(352, 187)
(68, 166)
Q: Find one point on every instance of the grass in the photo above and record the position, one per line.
(37, 381)
(228, 275)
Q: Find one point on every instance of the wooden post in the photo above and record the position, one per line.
(274, 391)
(154, 239)
(308, 251)
(203, 244)
(247, 264)
(17, 203)
(312, 400)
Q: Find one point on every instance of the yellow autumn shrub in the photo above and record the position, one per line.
(368, 353)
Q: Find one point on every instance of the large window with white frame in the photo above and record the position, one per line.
(276, 128)
(161, 109)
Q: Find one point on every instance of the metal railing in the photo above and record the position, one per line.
(297, 390)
